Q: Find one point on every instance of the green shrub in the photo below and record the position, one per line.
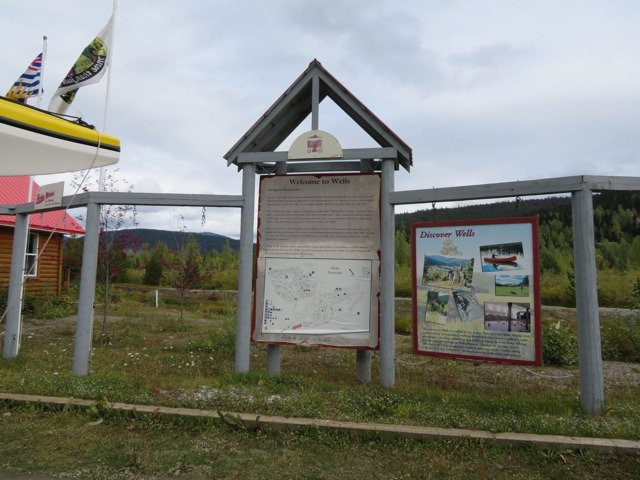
(403, 281)
(559, 345)
(221, 279)
(621, 340)
(554, 290)
(615, 288)
(135, 275)
(153, 271)
(404, 325)
(636, 293)
(46, 306)
(29, 302)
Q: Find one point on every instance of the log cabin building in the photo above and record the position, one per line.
(45, 274)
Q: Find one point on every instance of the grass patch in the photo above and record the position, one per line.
(150, 356)
(116, 445)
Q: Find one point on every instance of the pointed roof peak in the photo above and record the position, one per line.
(294, 105)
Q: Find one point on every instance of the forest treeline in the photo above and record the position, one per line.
(617, 235)
(617, 232)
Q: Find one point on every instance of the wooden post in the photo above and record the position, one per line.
(586, 284)
(363, 357)
(274, 352)
(245, 273)
(13, 322)
(86, 296)
(387, 294)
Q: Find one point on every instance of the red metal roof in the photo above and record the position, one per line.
(14, 190)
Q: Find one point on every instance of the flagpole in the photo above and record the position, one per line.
(101, 176)
(41, 89)
(38, 102)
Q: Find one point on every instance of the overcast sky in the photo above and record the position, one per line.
(483, 91)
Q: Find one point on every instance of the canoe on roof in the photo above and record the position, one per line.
(35, 142)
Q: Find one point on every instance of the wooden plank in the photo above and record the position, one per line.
(137, 198)
(600, 182)
(312, 167)
(401, 431)
(489, 190)
(347, 154)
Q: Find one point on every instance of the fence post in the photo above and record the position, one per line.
(86, 295)
(245, 271)
(363, 357)
(274, 352)
(387, 293)
(586, 284)
(13, 321)
(274, 358)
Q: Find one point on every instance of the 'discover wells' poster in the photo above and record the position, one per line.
(475, 290)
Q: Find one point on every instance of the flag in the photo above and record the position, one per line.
(89, 68)
(28, 84)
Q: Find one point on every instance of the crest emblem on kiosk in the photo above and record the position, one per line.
(315, 144)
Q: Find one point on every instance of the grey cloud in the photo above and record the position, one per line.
(488, 56)
(372, 42)
(522, 99)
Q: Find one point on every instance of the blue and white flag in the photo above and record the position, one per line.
(28, 84)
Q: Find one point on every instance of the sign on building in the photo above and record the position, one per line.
(476, 290)
(318, 266)
(49, 196)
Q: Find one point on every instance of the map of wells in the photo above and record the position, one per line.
(322, 296)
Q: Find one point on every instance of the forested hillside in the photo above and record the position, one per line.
(617, 232)
(207, 241)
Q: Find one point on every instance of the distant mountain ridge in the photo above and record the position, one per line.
(208, 241)
(447, 261)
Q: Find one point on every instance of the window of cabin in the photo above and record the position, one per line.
(31, 259)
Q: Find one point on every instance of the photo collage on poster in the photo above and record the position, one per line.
(474, 290)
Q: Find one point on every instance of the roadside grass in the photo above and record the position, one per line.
(150, 356)
(76, 443)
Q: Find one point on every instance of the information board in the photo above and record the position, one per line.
(476, 290)
(317, 280)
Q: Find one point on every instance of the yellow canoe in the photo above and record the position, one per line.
(36, 142)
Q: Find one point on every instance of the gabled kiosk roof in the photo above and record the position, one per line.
(295, 104)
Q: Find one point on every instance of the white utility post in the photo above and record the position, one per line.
(245, 272)
(274, 352)
(86, 296)
(586, 284)
(13, 321)
(387, 269)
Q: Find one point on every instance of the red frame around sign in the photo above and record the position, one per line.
(537, 361)
(255, 269)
